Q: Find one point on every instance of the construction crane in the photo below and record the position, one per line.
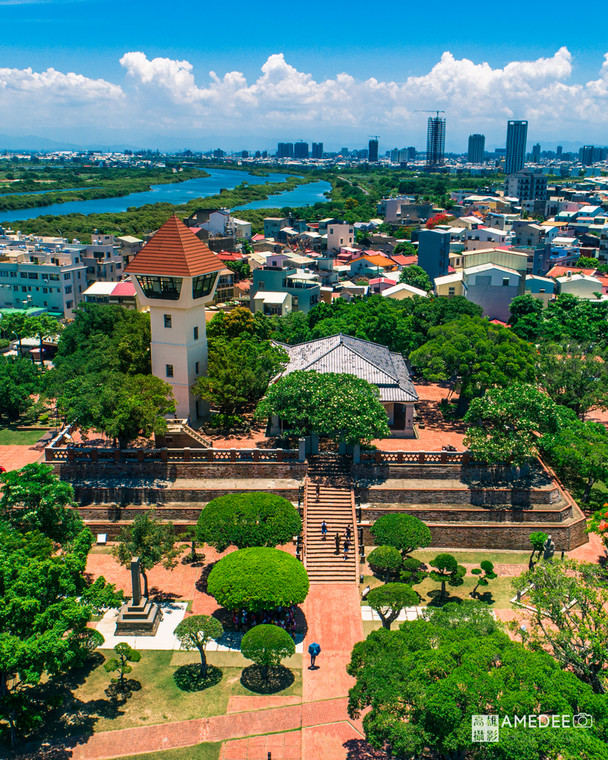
(437, 111)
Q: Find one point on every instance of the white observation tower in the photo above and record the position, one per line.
(175, 275)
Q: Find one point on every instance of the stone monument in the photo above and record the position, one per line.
(139, 616)
(548, 549)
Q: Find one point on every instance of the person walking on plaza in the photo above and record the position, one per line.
(324, 530)
(337, 542)
(314, 650)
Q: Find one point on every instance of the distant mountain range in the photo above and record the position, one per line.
(34, 142)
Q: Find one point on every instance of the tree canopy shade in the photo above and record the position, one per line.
(385, 561)
(19, 380)
(405, 532)
(101, 339)
(402, 326)
(566, 319)
(195, 632)
(153, 541)
(425, 681)
(267, 645)
(447, 571)
(47, 602)
(573, 377)
(475, 355)
(505, 423)
(569, 618)
(248, 519)
(416, 277)
(258, 579)
(238, 373)
(121, 406)
(579, 453)
(390, 599)
(337, 406)
(33, 498)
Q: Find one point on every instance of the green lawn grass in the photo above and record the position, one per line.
(9, 436)
(497, 594)
(196, 752)
(159, 700)
(475, 556)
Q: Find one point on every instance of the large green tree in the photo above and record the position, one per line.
(474, 354)
(258, 579)
(195, 632)
(248, 519)
(47, 601)
(150, 539)
(573, 377)
(506, 423)
(567, 616)
(421, 685)
(416, 277)
(19, 381)
(34, 498)
(337, 406)
(388, 601)
(579, 453)
(405, 532)
(121, 406)
(267, 645)
(447, 572)
(238, 373)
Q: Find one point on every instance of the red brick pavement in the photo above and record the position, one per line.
(15, 457)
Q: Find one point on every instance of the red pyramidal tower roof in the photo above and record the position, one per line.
(174, 251)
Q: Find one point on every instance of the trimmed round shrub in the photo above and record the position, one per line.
(405, 532)
(258, 579)
(385, 561)
(267, 645)
(412, 571)
(248, 519)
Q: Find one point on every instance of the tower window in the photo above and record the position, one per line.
(196, 333)
(196, 368)
(203, 284)
(168, 320)
(169, 370)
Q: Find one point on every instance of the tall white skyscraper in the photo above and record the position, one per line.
(517, 135)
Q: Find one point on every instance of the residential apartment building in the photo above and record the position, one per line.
(54, 280)
(526, 186)
(517, 135)
(434, 252)
(279, 277)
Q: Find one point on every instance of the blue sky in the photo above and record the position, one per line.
(544, 63)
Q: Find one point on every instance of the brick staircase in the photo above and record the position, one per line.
(329, 496)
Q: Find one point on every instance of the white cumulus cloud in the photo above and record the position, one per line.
(170, 96)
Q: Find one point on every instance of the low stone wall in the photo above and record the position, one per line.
(374, 494)
(470, 514)
(107, 471)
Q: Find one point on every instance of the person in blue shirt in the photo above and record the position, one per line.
(314, 650)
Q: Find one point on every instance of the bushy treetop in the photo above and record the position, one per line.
(248, 519)
(405, 532)
(258, 579)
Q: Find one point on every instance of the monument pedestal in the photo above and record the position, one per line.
(140, 619)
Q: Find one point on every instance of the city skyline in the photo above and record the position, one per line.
(120, 77)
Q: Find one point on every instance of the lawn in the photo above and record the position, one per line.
(475, 556)
(10, 436)
(497, 594)
(86, 706)
(197, 752)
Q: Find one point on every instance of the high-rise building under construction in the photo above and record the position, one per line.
(435, 141)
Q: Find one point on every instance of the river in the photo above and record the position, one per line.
(182, 192)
